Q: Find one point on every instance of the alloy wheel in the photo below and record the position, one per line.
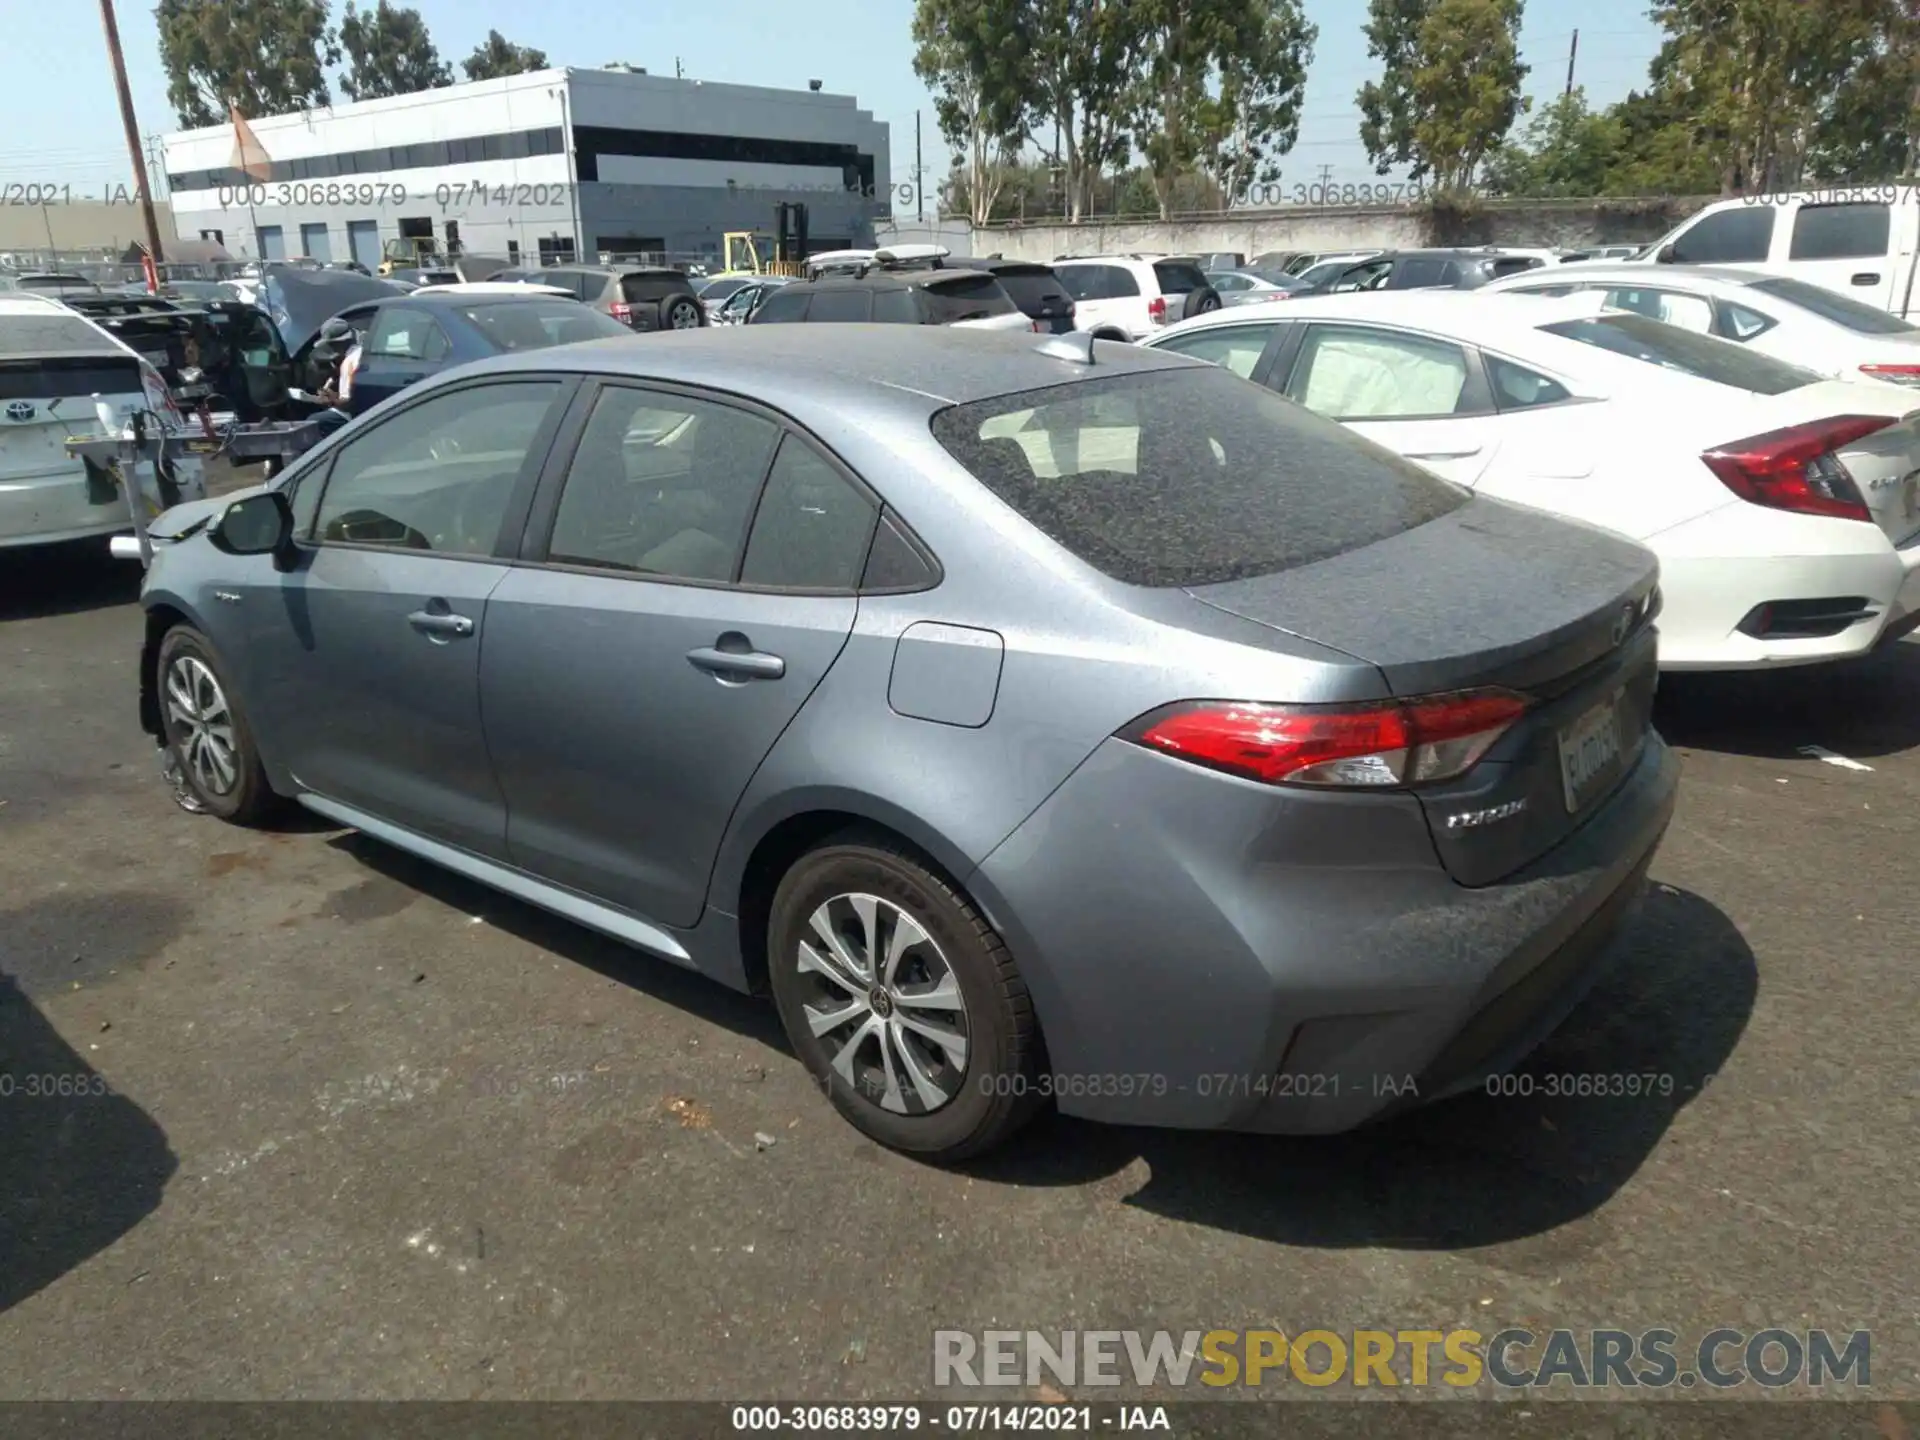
(685, 315)
(202, 725)
(885, 1004)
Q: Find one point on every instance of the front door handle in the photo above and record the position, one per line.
(740, 664)
(1867, 277)
(1444, 454)
(432, 623)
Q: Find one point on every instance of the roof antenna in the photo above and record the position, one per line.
(1075, 345)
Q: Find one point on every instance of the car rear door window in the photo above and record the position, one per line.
(1843, 310)
(438, 476)
(841, 307)
(662, 485)
(1840, 232)
(1739, 235)
(896, 307)
(1187, 476)
(1418, 272)
(1036, 290)
(1362, 373)
(1233, 347)
(813, 527)
(1689, 312)
(783, 307)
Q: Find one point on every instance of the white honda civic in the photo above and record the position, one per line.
(1784, 506)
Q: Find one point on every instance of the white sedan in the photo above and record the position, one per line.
(1776, 315)
(1784, 507)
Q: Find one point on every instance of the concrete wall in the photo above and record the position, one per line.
(1526, 223)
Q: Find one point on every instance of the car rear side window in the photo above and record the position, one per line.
(1188, 477)
(1840, 232)
(403, 334)
(1515, 387)
(1178, 277)
(1671, 348)
(1418, 272)
(536, 324)
(965, 297)
(1844, 310)
(813, 527)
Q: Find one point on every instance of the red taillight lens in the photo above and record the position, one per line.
(620, 311)
(1796, 468)
(1894, 374)
(1157, 309)
(1391, 743)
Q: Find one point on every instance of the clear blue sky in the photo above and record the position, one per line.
(59, 122)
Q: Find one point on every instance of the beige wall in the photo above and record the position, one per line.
(86, 225)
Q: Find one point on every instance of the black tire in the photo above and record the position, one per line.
(250, 799)
(682, 312)
(995, 1092)
(1205, 302)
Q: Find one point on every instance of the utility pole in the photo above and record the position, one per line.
(133, 134)
(919, 195)
(678, 73)
(1572, 51)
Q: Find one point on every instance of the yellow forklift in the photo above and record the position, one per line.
(748, 252)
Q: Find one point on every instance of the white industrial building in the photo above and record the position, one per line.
(561, 163)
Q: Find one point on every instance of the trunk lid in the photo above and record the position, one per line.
(1886, 467)
(1494, 595)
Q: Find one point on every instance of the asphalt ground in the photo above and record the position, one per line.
(354, 1128)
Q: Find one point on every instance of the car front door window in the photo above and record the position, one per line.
(1356, 373)
(1236, 347)
(440, 476)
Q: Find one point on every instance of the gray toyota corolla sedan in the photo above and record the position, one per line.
(1038, 720)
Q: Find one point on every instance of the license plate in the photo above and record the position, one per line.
(1590, 752)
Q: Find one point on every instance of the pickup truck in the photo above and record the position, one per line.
(1860, 240)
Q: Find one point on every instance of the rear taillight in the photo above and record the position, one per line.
(1157, 310)
(1894, 374)
(1796, 468)
(1390, 743)
(621, 311)
(1036, 327)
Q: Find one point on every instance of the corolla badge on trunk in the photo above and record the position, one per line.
(1473, 819)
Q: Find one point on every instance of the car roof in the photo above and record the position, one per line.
(1473, 316)
(1000, 263)
(915, 279)
(472, 288)
(447, 297)
(815, 369)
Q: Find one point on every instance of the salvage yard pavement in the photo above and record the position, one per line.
(337, 1124)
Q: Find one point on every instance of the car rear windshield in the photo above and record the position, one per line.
(651, 285)
(1178, 277)
(536, 324)
(1188, 476)
(967, 297)
(1036, 290)
(1672, 348)
(1855, 315)
(55, 334)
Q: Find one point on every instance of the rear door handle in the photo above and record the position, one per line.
(1867, 277)
(738, 664)
(429, 622)
(1445, 454)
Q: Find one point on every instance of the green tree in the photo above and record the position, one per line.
(266, 57)
(976, 67)
(388, 53)
(1449, 88)
(498, 57)
(1084, 59)
(1568, 149)
(1255, 118)
(1869, 129)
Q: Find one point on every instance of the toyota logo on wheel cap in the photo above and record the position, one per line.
(20, 410)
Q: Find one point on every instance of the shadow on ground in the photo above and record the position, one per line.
(65, 580)
(80, 1166)
(1860, 708)
(1480, 1170)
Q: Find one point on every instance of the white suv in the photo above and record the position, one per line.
(54, 366)
(1129, 297)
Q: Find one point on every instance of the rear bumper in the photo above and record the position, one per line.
(1715, 571)
(61, 505)
(1216, 967)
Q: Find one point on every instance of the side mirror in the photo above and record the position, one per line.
(1665, 256)
(258, 525)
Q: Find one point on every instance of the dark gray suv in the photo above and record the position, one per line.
(643, 298)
